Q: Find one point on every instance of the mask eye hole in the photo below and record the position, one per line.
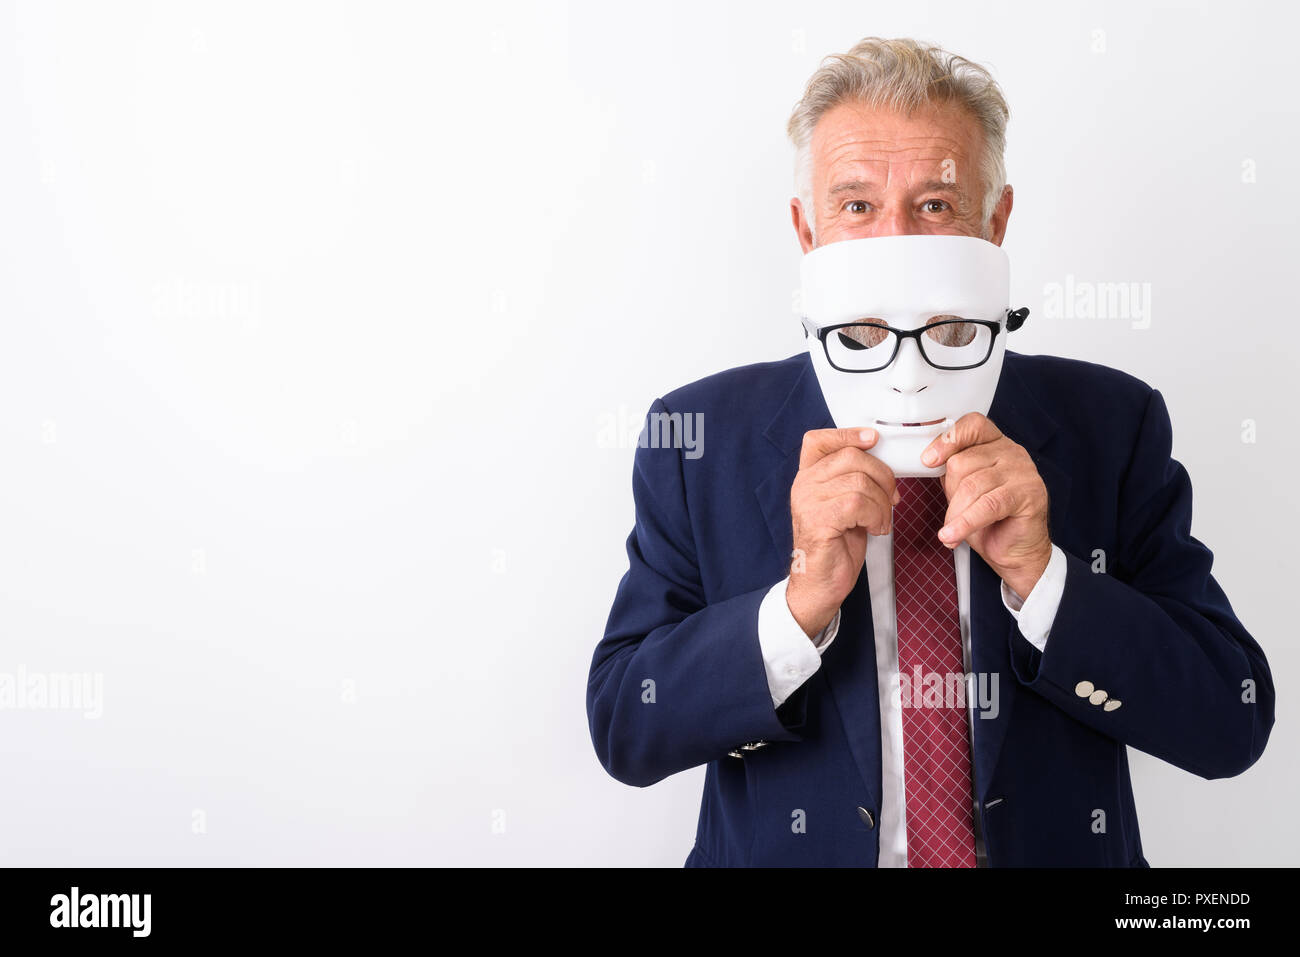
(864, 334)
(951, 331)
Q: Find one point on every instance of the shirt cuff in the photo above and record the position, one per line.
(789, 657)
(1036, 611)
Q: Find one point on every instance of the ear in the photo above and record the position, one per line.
(1001, 213)
(801, 227)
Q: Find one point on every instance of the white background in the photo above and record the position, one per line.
(315, 319)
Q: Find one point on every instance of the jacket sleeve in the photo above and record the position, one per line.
(1155, 632)
(677, 682)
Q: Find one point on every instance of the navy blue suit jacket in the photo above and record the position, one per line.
(713, 535)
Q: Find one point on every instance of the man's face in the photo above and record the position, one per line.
(878, 173)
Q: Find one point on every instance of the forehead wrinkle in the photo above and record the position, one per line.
(920, 148)
(842, 158)
(920, 173)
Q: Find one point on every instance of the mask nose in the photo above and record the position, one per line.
(911, 373)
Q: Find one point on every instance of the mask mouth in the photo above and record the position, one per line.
(911, 425)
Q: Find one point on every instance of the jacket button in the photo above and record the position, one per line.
(867, 819)
(1083, 689)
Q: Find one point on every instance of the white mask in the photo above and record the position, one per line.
(907, 282)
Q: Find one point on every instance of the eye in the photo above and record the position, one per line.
(930, 204)
(951, 331)
(856, 202)
(866, 334)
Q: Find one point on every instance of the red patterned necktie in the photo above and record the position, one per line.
(936, 750)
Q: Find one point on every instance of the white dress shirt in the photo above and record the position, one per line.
(790, 659)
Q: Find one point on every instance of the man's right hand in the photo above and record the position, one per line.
(840, 496)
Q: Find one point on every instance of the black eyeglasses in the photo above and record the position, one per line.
(946, 342)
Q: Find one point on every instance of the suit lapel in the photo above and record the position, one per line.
(849, 668)
(850, 671)
(804, 409)
(1018, 414)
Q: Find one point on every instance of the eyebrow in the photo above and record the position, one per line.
(929, 186)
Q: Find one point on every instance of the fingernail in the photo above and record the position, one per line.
(930, 457)
(866, 435)
(945, 533)
(897, 497)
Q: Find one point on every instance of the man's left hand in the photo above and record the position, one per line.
(997, 501)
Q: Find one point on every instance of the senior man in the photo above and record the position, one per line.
(784, 588)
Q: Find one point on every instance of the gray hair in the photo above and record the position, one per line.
(902, 75)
